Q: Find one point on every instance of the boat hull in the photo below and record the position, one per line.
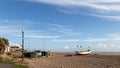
(82, 52)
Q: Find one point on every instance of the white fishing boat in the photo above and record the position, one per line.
(83, 52)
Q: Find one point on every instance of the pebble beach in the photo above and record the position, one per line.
(60, 60)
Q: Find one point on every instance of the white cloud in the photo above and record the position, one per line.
(96, 4)
(66, 40)
(114, 37)
(110, 42)
(60, 26)
(40, 37)
(16, 31)
(3, 20)
(99, 8)
(66, 47)
(105, 45)
(8, 30)
(101, 45)
(63, 29)
(108, 37)
(95, 40)
(13, 28)
(117, 18)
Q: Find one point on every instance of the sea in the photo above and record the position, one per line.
(107, 53)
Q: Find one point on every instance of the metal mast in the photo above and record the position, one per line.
(22, 44)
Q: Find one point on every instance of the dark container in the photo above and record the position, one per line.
(29, 54)
(44, 53)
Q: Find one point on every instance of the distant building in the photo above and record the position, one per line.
(15, 48)
(7, 48)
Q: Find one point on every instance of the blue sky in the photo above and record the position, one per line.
(61, 25)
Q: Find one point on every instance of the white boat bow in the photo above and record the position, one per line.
(83, 52)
